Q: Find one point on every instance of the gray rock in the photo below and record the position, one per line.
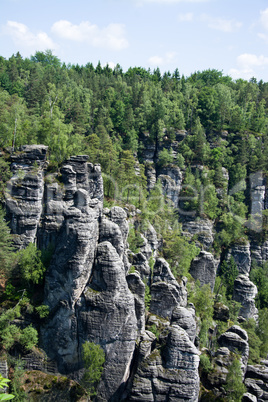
(171, 370)
(245, 292)
(24, 195)
(150, 174)
(247, 397)
(202, 229)
(107, 316)
(140, 262)
(242, 257)
(166, 292)
(119, 216)
(171, 180)
(236, 339)
(110, 231)
(257, 381)
(185, 318)
(151, 236)
(204, 268)
(221, 312)
(137, 287)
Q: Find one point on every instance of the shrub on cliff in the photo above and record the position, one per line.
(94, 358)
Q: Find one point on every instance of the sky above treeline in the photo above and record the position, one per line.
(191, 35)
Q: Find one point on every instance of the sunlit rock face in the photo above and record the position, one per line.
(204, 268)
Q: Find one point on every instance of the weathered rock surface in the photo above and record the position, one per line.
(242, 257)
(24, 195)
(171, 180)
(166, 292)
(202, 229)
(257, 381)
(204, 268)
(169, 373)
(107, 315)
(137, 287)
(185, 318)
(245, 292)
(236, 339)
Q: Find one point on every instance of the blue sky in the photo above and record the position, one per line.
(191, 35)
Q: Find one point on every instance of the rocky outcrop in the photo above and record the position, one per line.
(171, 180)
(24, 195)
(257, 381)
(259, 252)
(166, 292)
(236, 339)
(242, 257)
(204, 268)
(245, 292)
(202, 229)
(106, 314)
(169, 372)
(185, 318)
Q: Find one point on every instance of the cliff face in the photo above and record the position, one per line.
(96, 287)
(90, 294)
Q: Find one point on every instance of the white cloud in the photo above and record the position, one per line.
(157, 61)
(110, 37)
(187, 17)
(248, 66)
(264, 24)
(22, 36)
(221, 24)
(248, 60)
(264, 18)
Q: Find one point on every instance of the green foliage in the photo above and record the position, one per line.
(7, 257)
(94, 359)
(147, 297)
(10, 334)
(135, 240)
(43, 311)
(253, 340)
(205, 363)
(153, 328)
(5, 175)
(203, 301)
(165, 157)
(234, 383)
(17, 382)
(30, 265)
(228, 273)
(179, 252)
(259, 275)
(262, 331)
(28, 337)
(3, 384)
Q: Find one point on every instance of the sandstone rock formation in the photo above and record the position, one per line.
(245, 292)
(170, 372)
(204, 268)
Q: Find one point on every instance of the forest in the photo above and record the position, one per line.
(219, 127)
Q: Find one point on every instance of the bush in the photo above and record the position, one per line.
(235, 387)
(205, 364)
(165, 157)
(94, 358)
(31, 266)
(29, 337)
(43, 311)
